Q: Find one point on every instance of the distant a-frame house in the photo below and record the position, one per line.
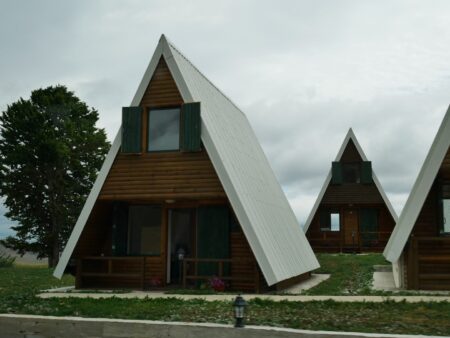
(185, 193)
(352, 212)
(419, 247)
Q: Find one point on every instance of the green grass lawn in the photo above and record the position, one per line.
(19, 286)
(350, 274)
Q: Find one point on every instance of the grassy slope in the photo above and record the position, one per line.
(350, 274)
(18, 286)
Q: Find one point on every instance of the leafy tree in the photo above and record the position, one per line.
(50, 152)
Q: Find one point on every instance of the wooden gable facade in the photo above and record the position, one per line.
(176, 201)
(352, 215)
(426, 256)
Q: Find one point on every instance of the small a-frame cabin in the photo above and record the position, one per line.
(419, 247)
(185, 194)
(352, 212)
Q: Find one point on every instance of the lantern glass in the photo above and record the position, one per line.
(239, 311)
(181, 253)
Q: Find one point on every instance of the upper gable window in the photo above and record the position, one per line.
(351, 172)
(164, 129)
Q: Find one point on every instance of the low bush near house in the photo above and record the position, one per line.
(6, 260)
(156, 282)
(217, 284)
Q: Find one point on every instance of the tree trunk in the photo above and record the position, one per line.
(55, 186)
(53, 258)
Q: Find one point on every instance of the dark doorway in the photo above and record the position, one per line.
(351, 232)
(181, 241)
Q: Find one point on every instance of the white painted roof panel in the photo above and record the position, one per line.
(261, 207)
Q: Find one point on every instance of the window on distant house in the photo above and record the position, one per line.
(351, 172)
(446, 209)
(164, 129)
(330, 221)
(335, 221)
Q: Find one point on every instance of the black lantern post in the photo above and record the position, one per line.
(181, 253)
(239, 311)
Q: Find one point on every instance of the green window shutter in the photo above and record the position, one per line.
(120, 229)
(213, 237)
(336, 173)
(368, 225)
(191, 127)
(366, 172)
(131, 129)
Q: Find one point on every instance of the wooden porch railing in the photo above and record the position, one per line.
(104, 267)
(337, 243)
(379, 241)
(190, 264)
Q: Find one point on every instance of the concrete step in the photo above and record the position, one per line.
(382, 268)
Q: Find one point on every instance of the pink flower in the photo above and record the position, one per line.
(217, 284)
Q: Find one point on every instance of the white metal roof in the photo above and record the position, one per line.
(350, 136)
(268, 222)
(419, 192)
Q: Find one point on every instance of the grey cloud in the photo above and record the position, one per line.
(5, 223)
(303, 72)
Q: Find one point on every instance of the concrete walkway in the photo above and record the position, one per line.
(228, 297)
(311, 282)
(383, 281)
(20, 326)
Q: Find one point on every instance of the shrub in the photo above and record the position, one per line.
(156, 282)
(217, 284)
(6, 260)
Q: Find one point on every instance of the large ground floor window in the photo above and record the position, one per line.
(144, 226)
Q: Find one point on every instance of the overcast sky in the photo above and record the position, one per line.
(302, 71)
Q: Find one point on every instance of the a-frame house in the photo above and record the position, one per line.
(185, 193)
(352, 212)
(419, 247)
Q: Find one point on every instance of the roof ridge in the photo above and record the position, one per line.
(206, 78)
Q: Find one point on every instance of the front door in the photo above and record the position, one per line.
(181, 235)
(351, 233)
